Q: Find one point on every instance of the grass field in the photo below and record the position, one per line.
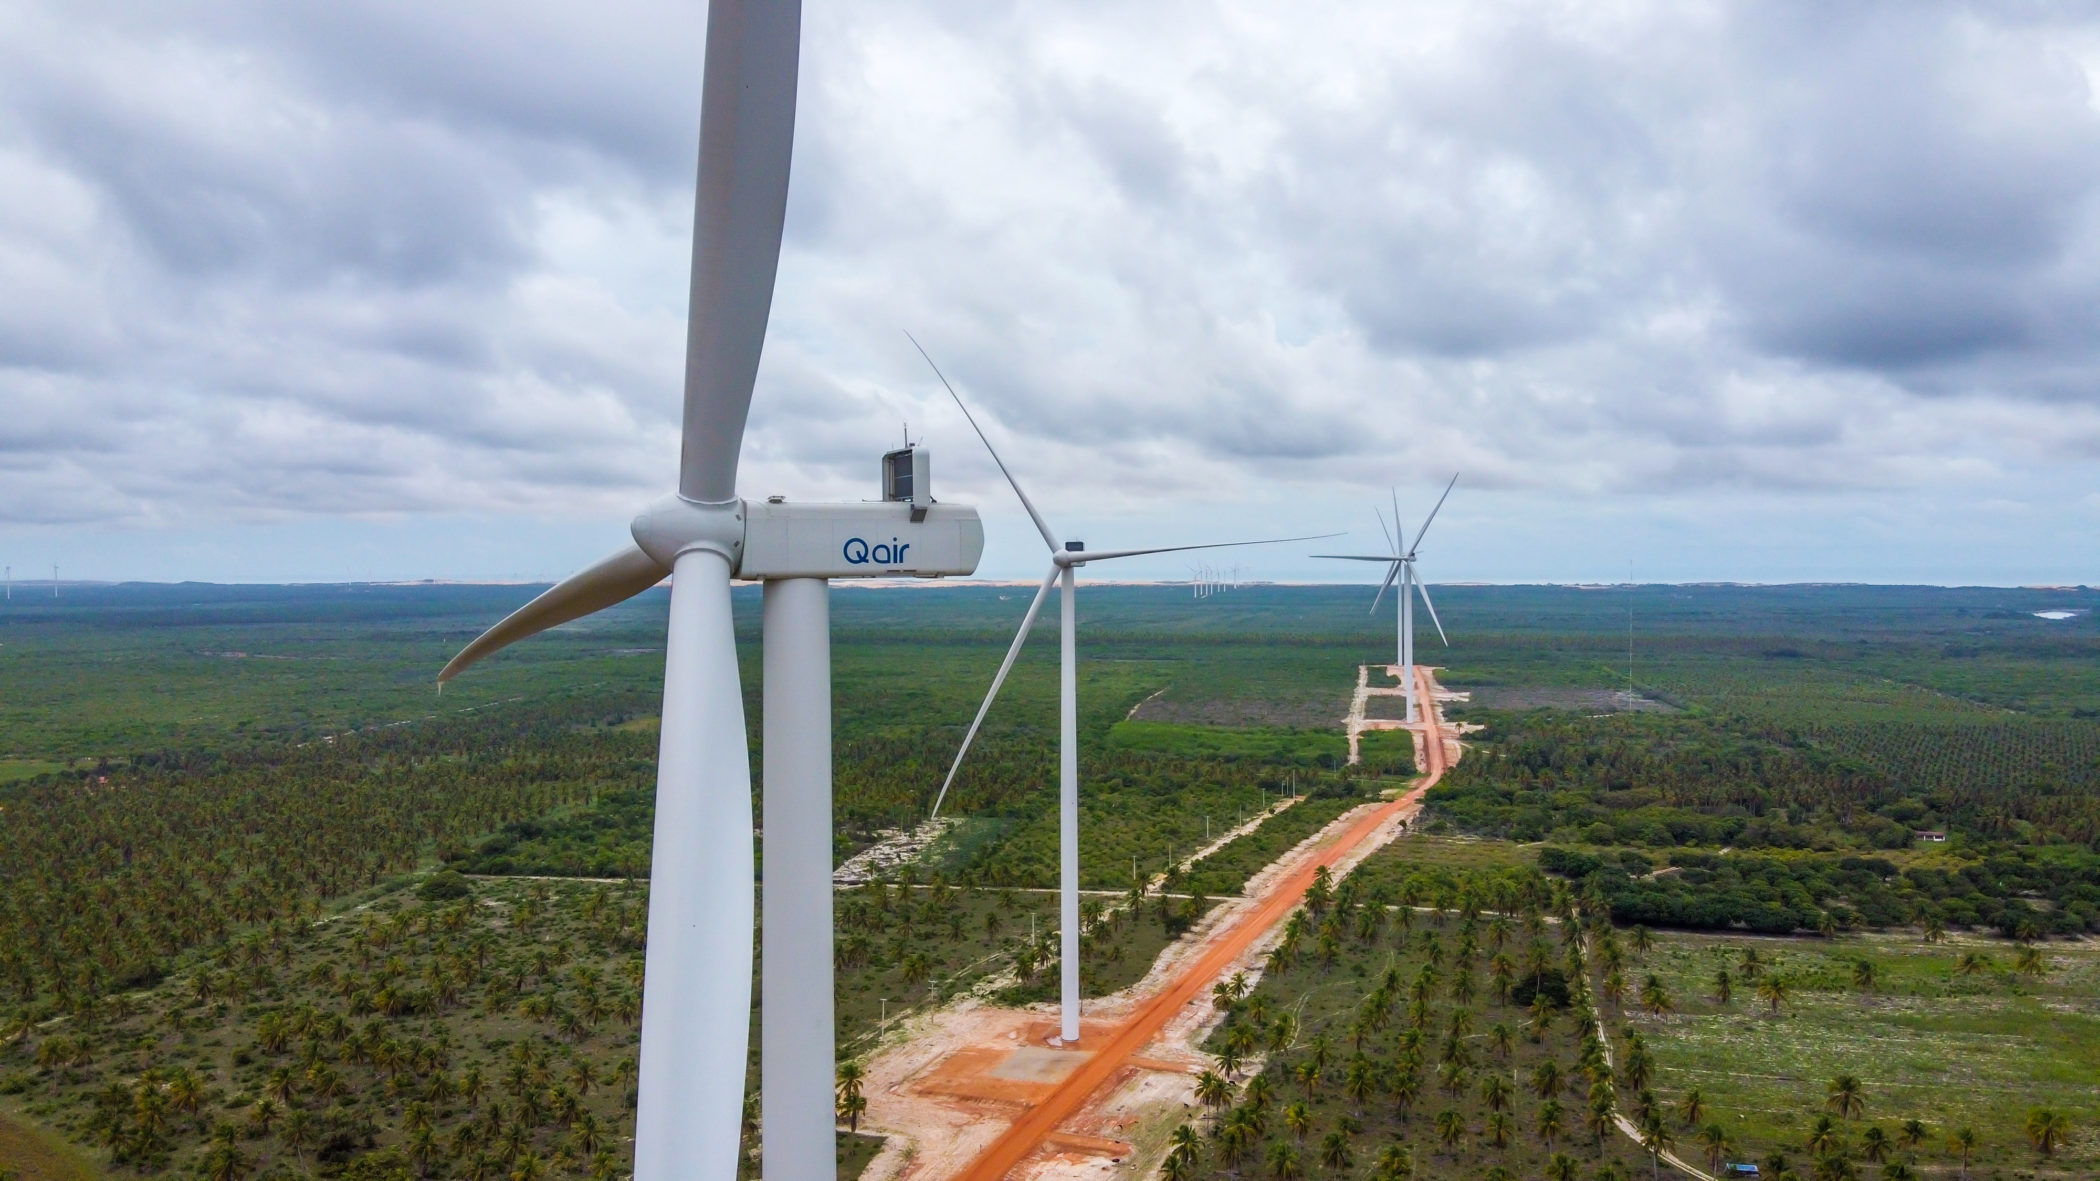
(1978, 1051)
(34, 1155)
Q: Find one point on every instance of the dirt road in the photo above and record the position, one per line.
(1027, 1134)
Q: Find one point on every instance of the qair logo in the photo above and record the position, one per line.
(860, 553)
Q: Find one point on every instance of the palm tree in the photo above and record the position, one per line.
(1846, 1096)
(1450, 1127)
(1692, 1107)
(1546, 1079)
(1212, 1090)
(1657, 1138)
(1714, 1139)
(852, 1103)
(1654, 997)
(1308, 1075)
(1875, 1145)
(1361, 1082)
(1823, 1136)
(298, 1133)
(1334, 1151)
(1865, 975)
(1235, 1140)
(1642, 939)
(1498, 1129)
(224, 1162)
(1935, 930)
(1773, 991)
(1562, 1167)
(1750, 966)
(1259, 1092)
(1971, 963)
(1638, 1068)
(1599, 1119)
(1297, 1118)
(264, 1114)
(1283, 1162)
(1551, 1122)
(1914, 1133)
(2030, 962)
(2047, 1130)
(1394, 1162)
(1494, 1092)
(1963, 1143)
(1834, 1168)
(1724, 987)
(1898, 1171)
(1281, 1033)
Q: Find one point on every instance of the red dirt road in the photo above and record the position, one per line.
(1028, 1133)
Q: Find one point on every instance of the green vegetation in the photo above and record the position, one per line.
(1305, 748)
(33, 1155)
(1929, 1034)
(1227, 870)
(190, 773)
(1376, 1046)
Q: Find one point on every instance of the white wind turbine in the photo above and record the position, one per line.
(1402, 563)
(696, 1000)
(1065, 558)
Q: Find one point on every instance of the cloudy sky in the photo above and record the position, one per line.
(1687, 291)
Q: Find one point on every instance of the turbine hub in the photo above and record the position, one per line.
(675, 525)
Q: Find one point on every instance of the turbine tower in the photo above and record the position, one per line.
(1401, 565)
(696, 999)
(1065, 558)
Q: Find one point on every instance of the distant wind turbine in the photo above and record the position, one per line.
(1065, 558)
(1402, 566)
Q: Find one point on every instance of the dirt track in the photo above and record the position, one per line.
(1112, 1051)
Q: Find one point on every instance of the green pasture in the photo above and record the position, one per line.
(1928, 1043)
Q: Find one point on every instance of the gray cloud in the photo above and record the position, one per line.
(267, 260)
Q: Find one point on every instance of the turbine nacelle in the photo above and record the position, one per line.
(777, 538)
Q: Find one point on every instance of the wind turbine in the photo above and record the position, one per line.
(696, 999)
(1402, 566)
(1065, 558)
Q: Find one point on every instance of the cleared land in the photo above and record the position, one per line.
(1928, 1042)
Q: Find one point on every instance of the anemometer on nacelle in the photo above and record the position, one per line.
(907, 476)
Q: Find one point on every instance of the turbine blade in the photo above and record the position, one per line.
(747, 134)
(1077, 557)
(1390, 543)
(1422, 588)
(1049, 538)
(1005, 666)
(1361, 557)
(696, 991)
(1432, 514)
(1399, 541)
(614, 580)
(1380, 596)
